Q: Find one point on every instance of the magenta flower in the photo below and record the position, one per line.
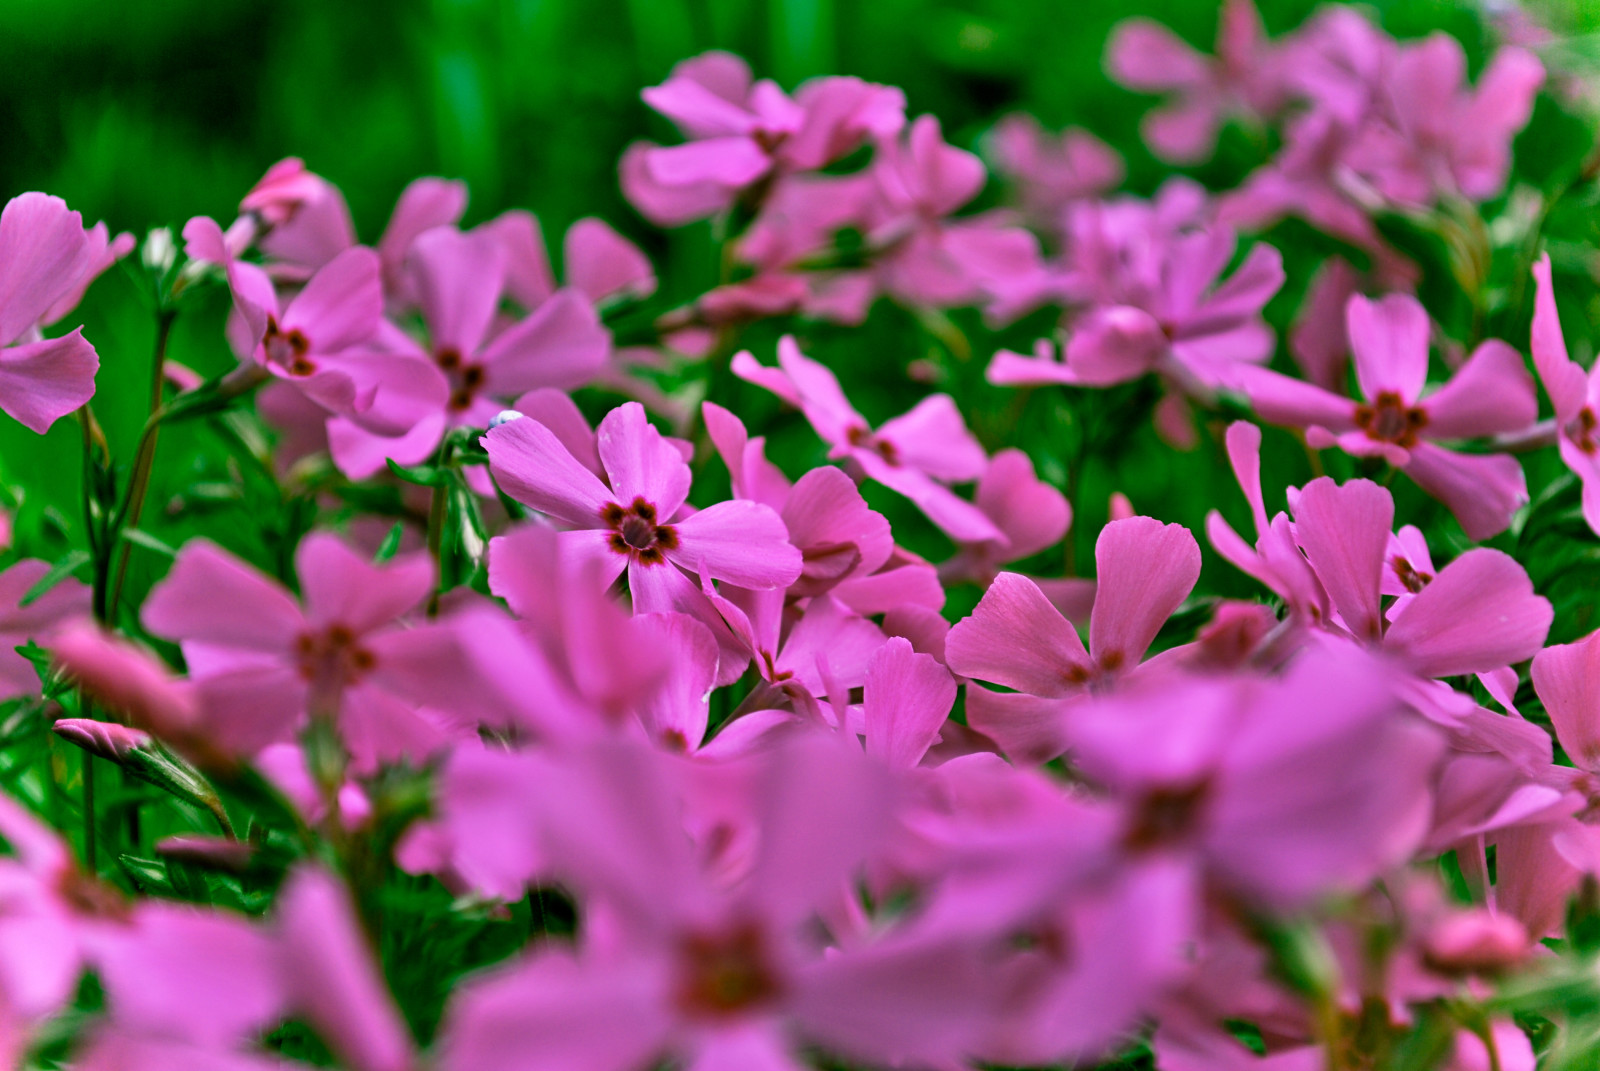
(744, 132)
(1051, 171)
(324, 341)
(1153, 299)
(304, 223)
(601, 264)
(331, 978)
(458, 280)
(46, 258)
(1477, 614)
(713, 971)
(636, 523)
(39, 620)
(1275, 559)
(1574, 394)
(1016, 638)
(1433, 137)
(829, 522)
(1246, 77)
(1032, 514)
(1272, 810)
(1491, 394)
(265, 664)
(54, 917)
(915, 453)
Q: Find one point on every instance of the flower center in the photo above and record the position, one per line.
(1388, 419)
(1413, 580)
(288, 349)
(464, 377)
(1580, 429)
(1164, 816)
(726, 972)
(635, 533)
(333, 656)
(862, 439)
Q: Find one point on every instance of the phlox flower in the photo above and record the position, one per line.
(1016, 638)
(1491, 393)
(458, 279)
(1051, 171)
(324, 342)
(1574, 394)
(46, 259)
(1246, 77)
(636, 522)
(266, 664)
(1432, 137)
(743, 132)
(1476, 615)
(41, 619)
(716, 969)
(915, 453)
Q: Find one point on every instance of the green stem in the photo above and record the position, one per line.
(144, 458)
(438, 514)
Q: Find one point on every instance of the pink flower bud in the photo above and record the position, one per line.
(105, 739)
(1476, 942)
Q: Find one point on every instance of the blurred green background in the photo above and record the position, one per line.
(145, 115)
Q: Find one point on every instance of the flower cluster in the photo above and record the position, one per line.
(534, 749)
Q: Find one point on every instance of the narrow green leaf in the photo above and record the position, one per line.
(391, 542)
(58, 572)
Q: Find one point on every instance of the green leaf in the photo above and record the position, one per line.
(423, 475)
(391, 543)
(58, 572)
(144, 539)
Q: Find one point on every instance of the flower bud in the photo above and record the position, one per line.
(160, 251)
(108, 740)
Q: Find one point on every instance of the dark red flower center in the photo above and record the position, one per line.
(1388, 419)
(1581, 428)
(1164, 816)
(1409, 575)
(333, 656)
(726, 972)
(862, 439)
(465, 377)
(288, 349)
(635, 533)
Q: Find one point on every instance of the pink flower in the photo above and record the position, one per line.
(743, 132)
(1032, 514)
(330, 976)
(1574, 394)
(914, 454)
(458, 280)
(1246, 77)
(1275, 559)
(1153, 300)
(1433, 137)
(54, 917)
(1477, 614)
(1273, 810)
(265, 664)
(828, 521)
(1050, 171)
(40, 620)
(601, 264)
(324, 341)
(46, 258)
(636, 523)
(1492, 393)
(1016, 638)
(717, 969)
